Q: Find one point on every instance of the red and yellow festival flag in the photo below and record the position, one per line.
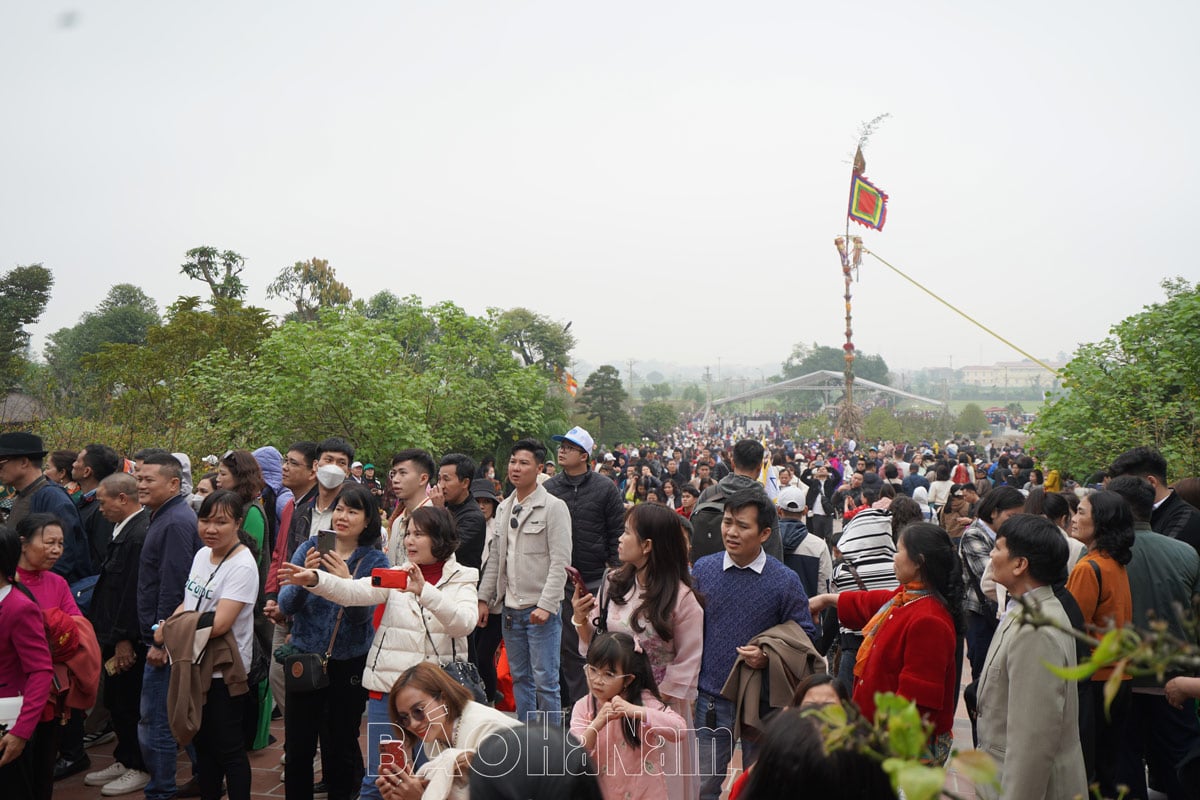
(571, 384)
(868, 203)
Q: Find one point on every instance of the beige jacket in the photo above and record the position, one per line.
(194, 658)
(791, 657)
(1028, 718)
(543, 551)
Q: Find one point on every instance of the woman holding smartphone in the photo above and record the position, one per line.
(332, 714)
(425, 618)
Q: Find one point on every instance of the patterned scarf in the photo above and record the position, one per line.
(909, 592)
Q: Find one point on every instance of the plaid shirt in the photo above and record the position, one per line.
(975, 550)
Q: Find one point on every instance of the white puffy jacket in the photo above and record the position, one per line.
(450, 610)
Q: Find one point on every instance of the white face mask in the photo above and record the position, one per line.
(331, 476)
(195, 501)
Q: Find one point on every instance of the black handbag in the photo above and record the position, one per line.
(308, 672)
(463, 672)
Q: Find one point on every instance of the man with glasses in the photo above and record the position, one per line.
(597, 520)
(525, 572)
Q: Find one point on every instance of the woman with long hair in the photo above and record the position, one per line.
(1100, 585)
(239, 472)
(333, 713)
(427, 616)
(652, 598)
(910, 635)
(670, 494)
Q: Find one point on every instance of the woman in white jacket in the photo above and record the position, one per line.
(426, 619)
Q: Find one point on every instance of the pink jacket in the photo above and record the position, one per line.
(25, 667)
(644, 772)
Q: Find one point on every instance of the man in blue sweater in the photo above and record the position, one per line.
(746, 592)
(171, 542)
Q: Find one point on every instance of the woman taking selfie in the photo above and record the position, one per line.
(333, 713)
(430, 604)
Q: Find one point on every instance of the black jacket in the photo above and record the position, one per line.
(597, 520)
(97, 529)
(1177, 519)
(814, 486)
(472, 530)
(113, 612)
(709, 511)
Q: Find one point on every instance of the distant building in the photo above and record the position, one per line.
(17, 409)
(1011, 373)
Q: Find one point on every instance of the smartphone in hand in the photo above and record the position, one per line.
(325, 541)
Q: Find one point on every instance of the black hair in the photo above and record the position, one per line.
(10, 553)
(753, 496)
(464, 465)
(233, 504)
(942, 471)
(904, 510)
(336, 444)
(792, 754)
(1113, 521)
(816, 679)
(146, 453)
(999, 499)
(31, 527)
(438, 524)
(1141, 461)
(619, 652)
(306, 449)
(689, 489)
(532, 762)
(355, 495)
(481, 472)
(1035, 501)
(1054, 507)
(1138, 492)
(533, 447)
(167, 464)
(420, 458)
(1037, 540)
(890, 471)
(747, 454)
(102, 460)
(62, 461)
(931, 549)
(666, 572)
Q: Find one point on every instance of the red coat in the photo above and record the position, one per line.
(913, 654)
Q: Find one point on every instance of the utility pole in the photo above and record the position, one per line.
(631, 362)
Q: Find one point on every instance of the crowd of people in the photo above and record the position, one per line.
(657, 609)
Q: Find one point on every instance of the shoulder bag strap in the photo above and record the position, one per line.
(341, 611)
(1099, 581)
(854, 574)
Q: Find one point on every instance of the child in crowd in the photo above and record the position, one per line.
(623, 722)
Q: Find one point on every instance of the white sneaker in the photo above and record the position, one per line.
(132, 781)
(106, 775)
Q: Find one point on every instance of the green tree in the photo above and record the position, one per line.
(882, 424)
(804, 360)
(603, 397)
(24, 292)
(1138, 386)
(693, 394)
(124, 316)
(217, 268)
(971, 421)
(656, 419)
(536, 339)
(380, 305)
(653, 391)
(310, 285)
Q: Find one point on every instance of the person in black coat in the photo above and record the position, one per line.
(822, 480)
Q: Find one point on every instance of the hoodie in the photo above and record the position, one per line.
(706, 533)
(271, 463)
(185, 481)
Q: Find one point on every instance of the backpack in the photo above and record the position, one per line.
(706, 528)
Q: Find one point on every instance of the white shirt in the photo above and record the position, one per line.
(756, 565)
(120, 526)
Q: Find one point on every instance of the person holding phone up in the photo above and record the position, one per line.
(332, 714)
(428, 608)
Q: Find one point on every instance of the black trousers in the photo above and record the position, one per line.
(44, 753)
(1161, 737)
(17, 776)
(123, 699)
(220, 744)
(1102, 734)
(333, 716)
(487, 642)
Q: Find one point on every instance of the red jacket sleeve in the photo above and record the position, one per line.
(280, 553)
(855, 609)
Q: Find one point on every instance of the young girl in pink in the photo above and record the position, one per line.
(624, 724)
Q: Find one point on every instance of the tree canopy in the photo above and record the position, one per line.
(603, 398)
(1138, 386)
(536, 339)
(310, 285)
(24, 292)
(805, 359)
(217, 268)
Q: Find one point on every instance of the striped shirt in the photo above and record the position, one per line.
(866, 543)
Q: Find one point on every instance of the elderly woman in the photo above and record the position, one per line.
(426, 617)
(442, 727)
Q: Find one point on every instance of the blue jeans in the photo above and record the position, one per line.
(154, 733)
(714, 738)
(533, 659)
(378, 723)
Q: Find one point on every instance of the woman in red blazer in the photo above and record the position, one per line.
(910, 633)
(25, 671)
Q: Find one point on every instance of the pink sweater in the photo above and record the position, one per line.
(50, 589)
(632, 773)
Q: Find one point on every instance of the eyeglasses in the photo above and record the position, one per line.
(418, 714)
(603, 676)
(516, 512)
(291, 462)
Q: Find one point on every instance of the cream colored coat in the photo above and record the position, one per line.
(1028, 718)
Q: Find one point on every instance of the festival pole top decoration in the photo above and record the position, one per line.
(868, 203)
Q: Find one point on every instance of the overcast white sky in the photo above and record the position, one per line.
(669, 176)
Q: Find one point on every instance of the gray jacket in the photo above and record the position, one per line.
(542, 553)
